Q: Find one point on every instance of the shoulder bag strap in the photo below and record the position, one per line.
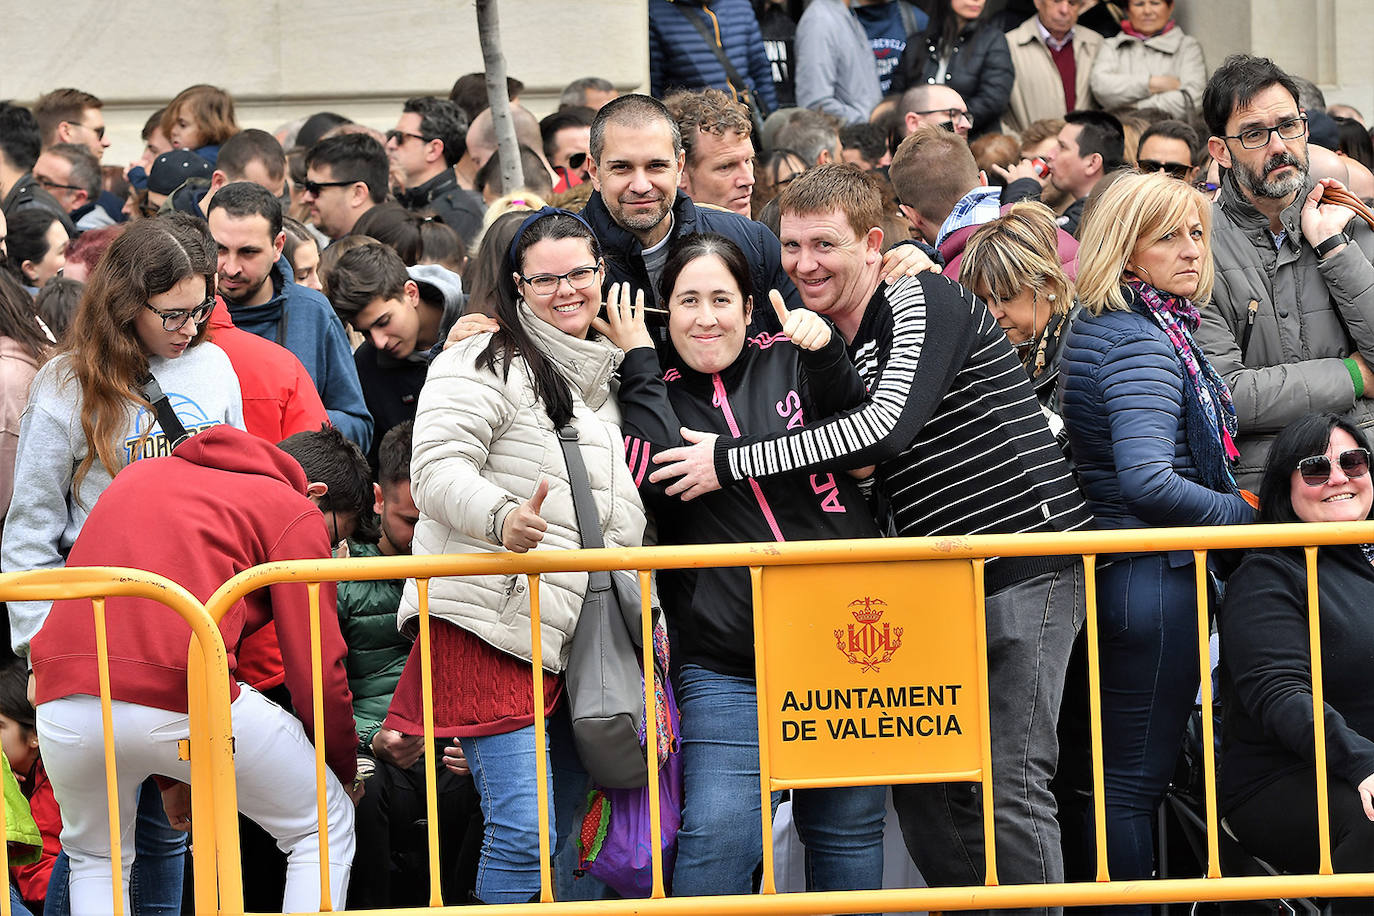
(698, 19)
(588, 522)
(166, 416)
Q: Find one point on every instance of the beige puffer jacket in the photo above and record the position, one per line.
(482, 444)
(1121, 73)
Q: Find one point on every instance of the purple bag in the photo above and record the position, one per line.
(614, 843)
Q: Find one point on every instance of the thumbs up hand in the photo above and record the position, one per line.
(804, 327)
(523, 528)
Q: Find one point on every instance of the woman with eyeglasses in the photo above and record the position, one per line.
(961, 49)
(140, 329)
(1152, 430)
(1317, 471)
(1151, 64)
(488, 474)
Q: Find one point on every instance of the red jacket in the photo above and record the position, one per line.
(952, 250)
(222, 502)
(279, 398)
(32, 879)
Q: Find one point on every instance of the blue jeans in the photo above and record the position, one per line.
(1147, 638)
(159, 863)
(720, 844)
(17, 907)
(503, 767)
(1031, 627)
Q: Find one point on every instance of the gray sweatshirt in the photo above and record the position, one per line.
(836, 69)
(45, 515)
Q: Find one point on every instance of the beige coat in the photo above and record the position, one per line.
(482, 444)
(1121, 74)
(1038, 92)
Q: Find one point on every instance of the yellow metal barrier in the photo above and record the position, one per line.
(917, 557)
(210, 745)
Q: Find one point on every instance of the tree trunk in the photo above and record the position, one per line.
(507, 146)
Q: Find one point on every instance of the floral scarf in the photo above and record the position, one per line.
(1209, 418)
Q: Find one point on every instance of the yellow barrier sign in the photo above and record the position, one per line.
(868, 678)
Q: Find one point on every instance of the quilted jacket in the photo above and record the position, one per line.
(482, 444)
(679, 58)
(1122, 401)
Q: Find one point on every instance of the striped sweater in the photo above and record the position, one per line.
(951, 420)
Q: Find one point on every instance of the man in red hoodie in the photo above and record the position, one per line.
(222, 502)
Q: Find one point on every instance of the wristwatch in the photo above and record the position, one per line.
(1336, 241)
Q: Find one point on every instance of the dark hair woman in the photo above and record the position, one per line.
(722, 382)
(961, 50)
(37, 247)
(488, 475)
(1317, 471)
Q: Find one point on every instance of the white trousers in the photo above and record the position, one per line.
(274, 763)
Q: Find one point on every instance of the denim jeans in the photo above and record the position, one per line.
(155, 883)
(1030, 631)
(719, 844)
(1147, 639)
(503, 768)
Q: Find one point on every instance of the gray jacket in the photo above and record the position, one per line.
(1309, 315)
(836, 69)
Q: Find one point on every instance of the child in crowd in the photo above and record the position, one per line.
(19, 741)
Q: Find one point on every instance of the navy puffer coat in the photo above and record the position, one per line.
(1122, 399)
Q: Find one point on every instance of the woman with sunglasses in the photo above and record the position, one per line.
(1151, 64)
(142, 320)
(1152, 431)
(489, 475)
(1317, 471)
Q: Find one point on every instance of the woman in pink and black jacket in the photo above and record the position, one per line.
(720, 381)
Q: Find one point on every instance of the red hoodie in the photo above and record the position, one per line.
(279, 397)
(32, 879)
(222, 502)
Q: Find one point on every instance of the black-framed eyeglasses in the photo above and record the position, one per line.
(547, 284)
(1315, 471)
(175, 321)
(399, 136)
(1178, 170)
(314, 188)
(51, 185)
(1256, 137)
(954, 114)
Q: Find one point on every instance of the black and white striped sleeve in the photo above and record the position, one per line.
(913, 373)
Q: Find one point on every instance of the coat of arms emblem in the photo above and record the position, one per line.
(868, 642)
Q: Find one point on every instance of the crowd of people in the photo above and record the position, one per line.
(851, 268)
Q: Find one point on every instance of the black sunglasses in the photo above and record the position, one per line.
(400, 136)
(1316, 470)
(577, 160)
(315, 187)
(1178, 170)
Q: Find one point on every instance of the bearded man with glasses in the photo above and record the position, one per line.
(1291, 324)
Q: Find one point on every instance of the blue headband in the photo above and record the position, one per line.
(534, 218)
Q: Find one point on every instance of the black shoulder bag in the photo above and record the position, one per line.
(166, 416)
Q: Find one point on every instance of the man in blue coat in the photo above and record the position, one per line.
(689, 38)
(258, 286)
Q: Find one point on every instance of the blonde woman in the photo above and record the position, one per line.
(1013, 264)
(1151, 427)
